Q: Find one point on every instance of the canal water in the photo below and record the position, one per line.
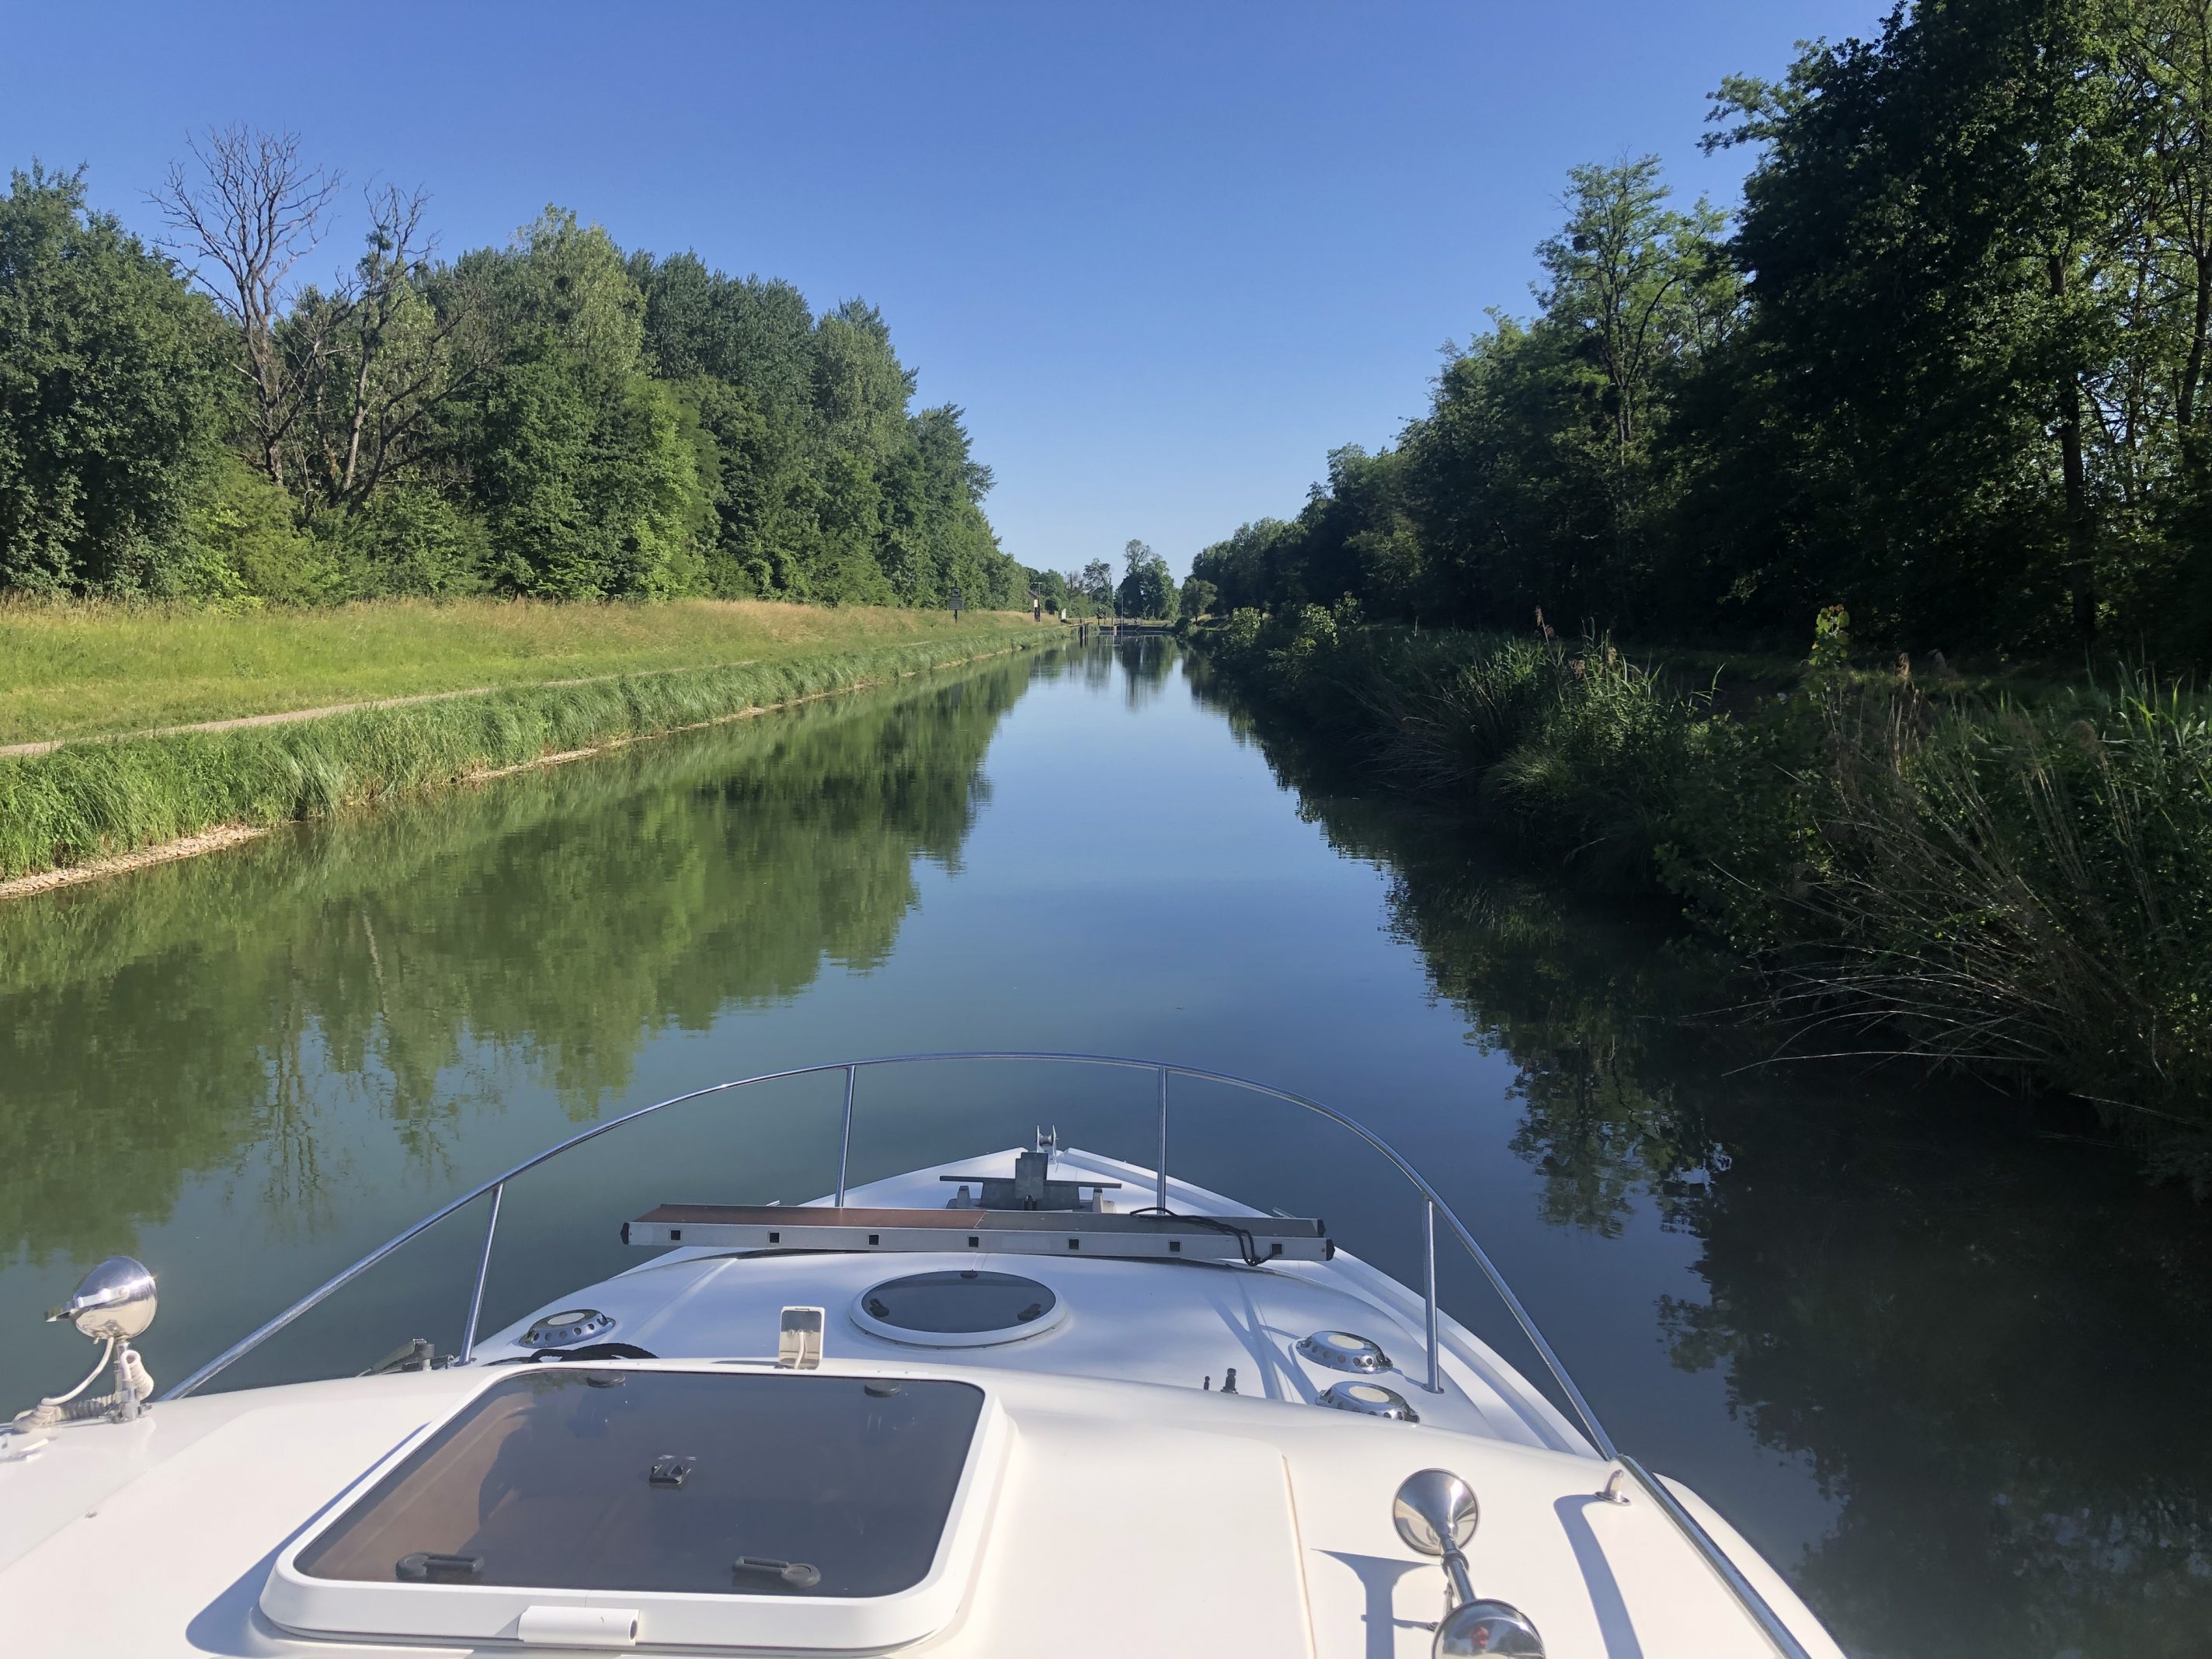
(1946, 1362)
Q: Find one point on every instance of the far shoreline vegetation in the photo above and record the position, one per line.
(559, 418)
(1932, 403)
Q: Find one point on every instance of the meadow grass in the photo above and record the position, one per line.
(88, 800)
(79, 669)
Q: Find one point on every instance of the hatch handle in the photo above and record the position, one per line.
(670, 1470)
(578, 1627)
(428, 1567)
(798, 1575)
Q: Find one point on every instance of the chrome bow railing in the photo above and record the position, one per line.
(1715, 1557)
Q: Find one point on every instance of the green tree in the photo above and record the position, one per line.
(1243, 569)
(110, 399)
(378, 359)
(1634, 291)
(552, 418)
(1148, 587)
(1933, 232)
(1051, 588)
(2150, 441)
(823, 484)
(1948, 370)
(743, 350)
(246, 542)
(579, 459)
(1094, 583)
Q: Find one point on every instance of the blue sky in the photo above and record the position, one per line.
(1166, 257)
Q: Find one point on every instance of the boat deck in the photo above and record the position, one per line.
(1124, 1506)
(1181, 1324)
(1130, 1518)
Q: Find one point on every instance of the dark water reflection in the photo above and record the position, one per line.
(1945, 1361)
(1987, 1341)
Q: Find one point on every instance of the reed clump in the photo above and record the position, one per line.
(2026, 888)
(2022, 887)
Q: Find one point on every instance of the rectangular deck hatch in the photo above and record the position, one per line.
(730, 1499)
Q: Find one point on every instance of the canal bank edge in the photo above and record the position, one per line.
(99, 808)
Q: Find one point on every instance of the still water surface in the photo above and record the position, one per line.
(1948, 1371)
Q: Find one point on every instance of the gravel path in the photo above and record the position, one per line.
(285, 717)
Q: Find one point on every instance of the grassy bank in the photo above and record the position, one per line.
(89, 670)
(2022, 887)
(90, 800)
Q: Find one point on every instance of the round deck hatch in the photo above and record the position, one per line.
(968, 1307)
(1370, 1400)
(1344, 1351)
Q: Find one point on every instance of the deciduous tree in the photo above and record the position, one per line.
(110, 398)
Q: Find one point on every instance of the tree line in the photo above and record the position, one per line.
(557, 417)
(1946, 368)
(1146, 589)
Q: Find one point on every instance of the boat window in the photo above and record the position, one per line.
(669, 1480)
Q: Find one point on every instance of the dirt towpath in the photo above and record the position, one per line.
(287, 716)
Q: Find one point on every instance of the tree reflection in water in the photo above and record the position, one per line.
(1145, 661)
(168, 1024)
(1987, 1339)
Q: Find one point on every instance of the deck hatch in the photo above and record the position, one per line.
(964, 1308)
(677, 1481)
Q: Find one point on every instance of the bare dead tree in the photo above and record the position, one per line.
(253, 211)
(398, 257)
(385, 355)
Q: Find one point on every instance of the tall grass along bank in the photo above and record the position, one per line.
(2020, 887)
(91, 800)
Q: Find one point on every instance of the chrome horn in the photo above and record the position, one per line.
(1479, 1630)
(1435, 1512)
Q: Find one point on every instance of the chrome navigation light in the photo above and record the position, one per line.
(1344, 1351)
(1435, 1512)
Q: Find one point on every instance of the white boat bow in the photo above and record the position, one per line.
(1040, 1401)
